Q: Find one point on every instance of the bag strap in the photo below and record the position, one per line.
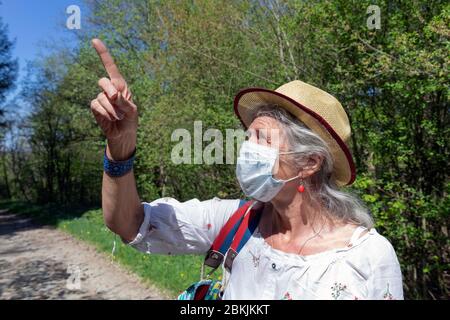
(245, 231)
(235, 233)
(226, 234)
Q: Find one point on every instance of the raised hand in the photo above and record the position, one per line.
(114, 110)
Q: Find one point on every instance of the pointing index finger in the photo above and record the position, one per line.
(107, 60)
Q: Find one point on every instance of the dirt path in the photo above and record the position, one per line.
(39, 262)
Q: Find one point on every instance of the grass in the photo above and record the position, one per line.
(172, 274)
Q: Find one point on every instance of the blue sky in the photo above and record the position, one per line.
(35, 22)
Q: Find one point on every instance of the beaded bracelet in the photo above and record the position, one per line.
(118, 168)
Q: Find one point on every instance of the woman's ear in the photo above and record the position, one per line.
(313, 165)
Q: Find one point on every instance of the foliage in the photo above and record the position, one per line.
(8, 74)
(8, 65)
(185, 60)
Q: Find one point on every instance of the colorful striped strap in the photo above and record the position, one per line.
(245, 231)
(233, 235)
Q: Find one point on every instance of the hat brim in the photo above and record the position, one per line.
(249, 100)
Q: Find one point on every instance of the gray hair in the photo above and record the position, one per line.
(343, 206)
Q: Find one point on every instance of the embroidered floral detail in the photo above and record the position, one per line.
(336, 289)
(287, 296)
(255, 259)
(387, 295)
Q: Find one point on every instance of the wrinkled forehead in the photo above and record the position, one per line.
(268, 131)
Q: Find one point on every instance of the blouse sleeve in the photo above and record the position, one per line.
(173, 227)
(385, 281)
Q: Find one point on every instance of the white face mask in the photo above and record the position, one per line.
(254, 169)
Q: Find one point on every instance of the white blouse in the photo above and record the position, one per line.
(367, 269)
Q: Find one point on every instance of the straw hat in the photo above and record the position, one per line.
(318, 110)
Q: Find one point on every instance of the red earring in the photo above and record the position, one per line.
(301, 187)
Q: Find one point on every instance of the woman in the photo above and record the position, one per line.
(312, 241)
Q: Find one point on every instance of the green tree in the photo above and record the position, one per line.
(8, 75)
(184, 61)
